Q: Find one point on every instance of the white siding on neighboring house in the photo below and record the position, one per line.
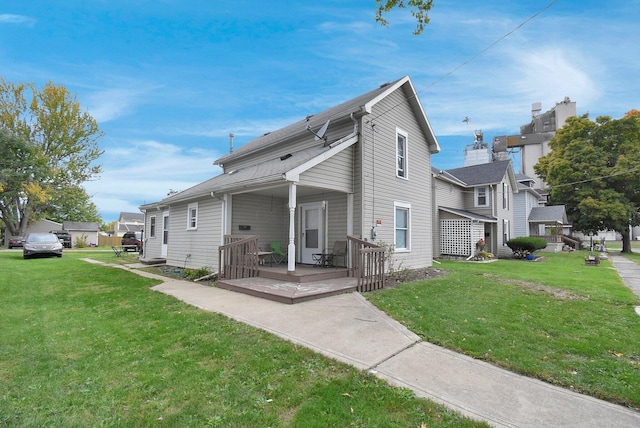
(524, 201)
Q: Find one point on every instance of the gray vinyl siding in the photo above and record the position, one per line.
(524, 202)
(502, 250)
(201, 243)
(382, 188)
(267, 216)
(335, 173)
(448, 195)
(304, 141)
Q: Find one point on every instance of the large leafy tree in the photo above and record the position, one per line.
(51, 144)
(593, 168)
(419, 9)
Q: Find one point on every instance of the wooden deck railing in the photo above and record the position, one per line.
(367, 264)
(238, 257)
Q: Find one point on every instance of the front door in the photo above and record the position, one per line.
(311, 231)
(165, 234)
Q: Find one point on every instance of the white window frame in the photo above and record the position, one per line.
(505, 231)
(505, 196)
(476, 196)
(404, 172)
(406, 207)
(152, 226)
(192, 216)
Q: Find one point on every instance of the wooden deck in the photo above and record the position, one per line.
(306, 283)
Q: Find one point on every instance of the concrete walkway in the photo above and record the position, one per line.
(350, 329)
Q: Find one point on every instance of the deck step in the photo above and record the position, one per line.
(287, 291)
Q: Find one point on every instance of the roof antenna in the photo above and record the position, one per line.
(320, 135)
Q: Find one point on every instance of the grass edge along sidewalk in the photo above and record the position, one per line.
(556, 320)
(87, 345)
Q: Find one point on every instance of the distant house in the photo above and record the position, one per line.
(87, 231)
(129, 222)
(474, 203)
(360, 169)
(40, 226)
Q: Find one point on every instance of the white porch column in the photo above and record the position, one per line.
(291, 249)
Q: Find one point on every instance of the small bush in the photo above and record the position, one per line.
(81, 241)
(526, 245)
(193, 274)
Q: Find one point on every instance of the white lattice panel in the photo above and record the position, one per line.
(455, 237)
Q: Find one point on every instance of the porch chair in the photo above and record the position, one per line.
(277, 254)
(339, 252)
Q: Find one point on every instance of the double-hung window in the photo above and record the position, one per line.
(482, 196)
(402, 140)
(152, 226)
(402, 226)
(192, 216)
(505, 196)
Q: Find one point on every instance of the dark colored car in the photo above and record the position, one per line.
(16, 241)
(132, 241)
(41, 244)
(64, 236)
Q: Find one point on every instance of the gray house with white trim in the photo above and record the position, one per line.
(366, 174)
(473, 203)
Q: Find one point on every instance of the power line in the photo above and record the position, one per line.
(522, 24)
(588, 180)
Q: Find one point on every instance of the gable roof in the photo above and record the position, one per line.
(548, 214)
(483, 174)
(131, 217)
(88, 226)
(288, 168)
(358, 106)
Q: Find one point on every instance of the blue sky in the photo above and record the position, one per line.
(168, 80)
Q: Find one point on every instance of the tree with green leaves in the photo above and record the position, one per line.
(50, 144)
(419, 9)
(593, 168)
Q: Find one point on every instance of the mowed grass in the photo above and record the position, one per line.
(89, 345)
(557, 320)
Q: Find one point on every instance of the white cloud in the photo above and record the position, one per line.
(145, 171)
(17, 19)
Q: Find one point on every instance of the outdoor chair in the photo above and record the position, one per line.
(277, 254)
(339, 253)
(117, 251)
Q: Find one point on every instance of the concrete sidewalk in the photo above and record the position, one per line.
(350, 329)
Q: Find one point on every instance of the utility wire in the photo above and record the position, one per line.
(522, 24)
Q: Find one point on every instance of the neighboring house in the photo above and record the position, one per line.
(87, 231)
(129, 222)
(473, 203)
(525, 200)
(367, 176)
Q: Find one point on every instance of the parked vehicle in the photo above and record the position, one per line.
(41, 244)
(16, 241)
(132, 241)
(64, 236)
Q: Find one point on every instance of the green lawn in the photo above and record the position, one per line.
(89, 345)
(557, 320)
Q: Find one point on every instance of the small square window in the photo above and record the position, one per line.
(482, 197)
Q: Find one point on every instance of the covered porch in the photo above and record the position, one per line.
(241, 269)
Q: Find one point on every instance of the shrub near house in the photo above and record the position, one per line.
(526, 245)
